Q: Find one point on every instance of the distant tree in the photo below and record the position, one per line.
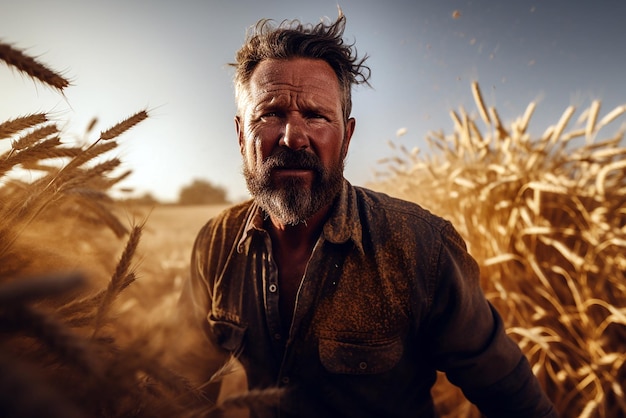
(202, 192)
(146, 199)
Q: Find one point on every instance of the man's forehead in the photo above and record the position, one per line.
(294, 73)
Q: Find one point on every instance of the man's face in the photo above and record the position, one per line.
(293, 137)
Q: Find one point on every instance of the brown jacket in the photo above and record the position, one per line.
(390, 296)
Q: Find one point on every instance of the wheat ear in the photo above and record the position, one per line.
(121, 278)
(28, 65)
(34, 137)
(13, 126)
(123, 126)
(33, 153)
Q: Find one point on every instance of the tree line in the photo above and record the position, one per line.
(198, 192)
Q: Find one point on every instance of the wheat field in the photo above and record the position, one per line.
(89, 285)
(546, 219)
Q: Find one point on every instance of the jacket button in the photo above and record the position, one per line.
(285, 380)
(272, 288)
(362, 365)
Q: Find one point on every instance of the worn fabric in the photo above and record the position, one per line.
(390, 295)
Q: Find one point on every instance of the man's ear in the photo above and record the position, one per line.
(350, 127)
(239, 130)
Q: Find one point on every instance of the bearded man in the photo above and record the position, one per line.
(348, 299)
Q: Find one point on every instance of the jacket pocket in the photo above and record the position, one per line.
(362, 357)
(226, 334)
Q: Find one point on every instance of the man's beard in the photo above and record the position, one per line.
(291, 202)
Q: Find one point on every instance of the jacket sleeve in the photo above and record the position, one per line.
(197, 356)
(469, 342)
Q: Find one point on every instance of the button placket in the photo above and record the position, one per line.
(271, 298)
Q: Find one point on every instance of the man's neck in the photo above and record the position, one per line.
(300, 235)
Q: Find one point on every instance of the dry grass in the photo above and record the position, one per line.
(546, 220)
(74, 341)
(60, 233)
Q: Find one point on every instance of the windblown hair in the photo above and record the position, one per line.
(291, 39)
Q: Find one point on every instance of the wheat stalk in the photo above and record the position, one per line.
(36, 152)
(96, 375)
(13, 126)
(33, 68)
(34, 137)
(544, 217)
(123, 126)
(120, 280)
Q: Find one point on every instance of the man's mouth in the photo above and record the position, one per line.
(292, 167)
(292, 171)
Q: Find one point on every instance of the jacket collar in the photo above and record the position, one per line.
(343, 224)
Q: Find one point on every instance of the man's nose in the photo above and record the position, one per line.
(295, 135)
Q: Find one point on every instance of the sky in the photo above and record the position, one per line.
(171, 58)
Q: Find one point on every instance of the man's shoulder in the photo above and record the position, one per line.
(385, 217)
(380, 204)
(234, 213)
(228, 222)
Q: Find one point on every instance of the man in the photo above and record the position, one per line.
(348, 299)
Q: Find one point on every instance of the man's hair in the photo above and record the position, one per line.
(293, 39)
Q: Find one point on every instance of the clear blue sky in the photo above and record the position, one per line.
(171, 56)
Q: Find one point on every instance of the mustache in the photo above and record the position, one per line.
(287, 158)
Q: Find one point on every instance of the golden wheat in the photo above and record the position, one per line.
(35, 136)
(123, 126)
(33, 68)
(77, 339)
(545, 218)
(120, 280)
(13, 126)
